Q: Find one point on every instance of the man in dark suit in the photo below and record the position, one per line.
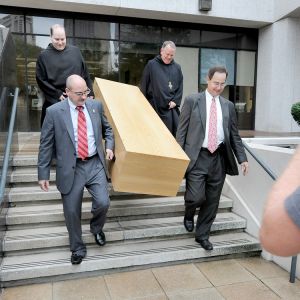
(208, 133)
(75, 128)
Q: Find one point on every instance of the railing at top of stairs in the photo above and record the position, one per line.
(8, 145)
(274, 177)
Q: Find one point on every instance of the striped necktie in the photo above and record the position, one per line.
(212, 127)
(82, 134)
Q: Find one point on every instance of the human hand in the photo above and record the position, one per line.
(44, 185)
(109, 154)
(245, 167)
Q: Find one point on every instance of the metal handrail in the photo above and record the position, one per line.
(8, 145)
(274, 177)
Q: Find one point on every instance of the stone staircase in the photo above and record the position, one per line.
(141, 231)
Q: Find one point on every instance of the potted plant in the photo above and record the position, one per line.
(295, 111)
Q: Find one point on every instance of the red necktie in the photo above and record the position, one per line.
(212, 127)
(82, 134)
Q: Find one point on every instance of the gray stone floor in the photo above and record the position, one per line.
(241, 279)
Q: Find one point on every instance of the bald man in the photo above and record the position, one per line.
(55, 64)
(162, 85)
(74, 129)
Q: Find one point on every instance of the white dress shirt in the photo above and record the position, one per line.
(90, 131)
(220, 131)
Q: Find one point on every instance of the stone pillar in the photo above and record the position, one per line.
(278, 76)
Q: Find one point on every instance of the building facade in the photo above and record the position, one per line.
(256, 40)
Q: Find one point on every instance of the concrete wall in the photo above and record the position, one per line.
(255, 13)
(278, 75)
(250, 193)
(284, 8)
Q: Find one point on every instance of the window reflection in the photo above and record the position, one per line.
(181, 36)
(217, 57)
(41, 25)
(101, 57)
(247, 41)
(140, 33)
(133, 58)
(14, 22)
(245, 75)
(99, 44)
(218, 39)
(94, 29)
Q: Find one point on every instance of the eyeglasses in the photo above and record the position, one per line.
(80, 94)
(219, 84)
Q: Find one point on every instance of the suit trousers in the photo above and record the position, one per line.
(89, 174)
(204, 183)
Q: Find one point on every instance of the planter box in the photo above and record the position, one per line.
(148, 158)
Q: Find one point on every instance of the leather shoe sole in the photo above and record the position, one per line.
(100, 238)
(76, 259)
(188, 224)
(206, 244)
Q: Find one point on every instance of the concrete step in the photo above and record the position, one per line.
(113, 258)
(26, 194)
(26, 175)
(23, 160)
(46, 237)
(34, 214)
(28, 142)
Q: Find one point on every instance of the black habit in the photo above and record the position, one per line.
(160, 84)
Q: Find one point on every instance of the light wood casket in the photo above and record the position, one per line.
(148, 158)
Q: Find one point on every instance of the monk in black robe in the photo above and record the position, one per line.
(162, 84)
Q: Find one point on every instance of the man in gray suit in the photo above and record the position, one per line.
(208, 133)
(64, 131)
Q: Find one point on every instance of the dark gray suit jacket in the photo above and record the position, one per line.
(57, 132)
(191, 131)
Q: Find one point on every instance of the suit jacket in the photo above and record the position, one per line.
(57, 133)
(191, 131)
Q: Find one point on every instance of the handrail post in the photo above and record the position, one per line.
(8, 144)
(293, 269)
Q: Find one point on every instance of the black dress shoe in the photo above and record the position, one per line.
(188, 224)
(76, 259)
(206, 244)
(100, 238)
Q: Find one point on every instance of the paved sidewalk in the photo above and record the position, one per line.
(240, 279)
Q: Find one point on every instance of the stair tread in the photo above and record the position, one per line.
(86, 206)
(123, 255)
(114, 203)
(25, 193)
(111, 226)
(41, 238)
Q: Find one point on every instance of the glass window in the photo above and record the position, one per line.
(216, 57)
(247, 41)
(22, 119)
(94, 29)
(245, 74)
(133, 58)
(14, 22)
(140, 33)
(40, 41)
(101, 57)
(41, 25)
(218, 39)
(181, 36)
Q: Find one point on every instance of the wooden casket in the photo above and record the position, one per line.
(148, 159)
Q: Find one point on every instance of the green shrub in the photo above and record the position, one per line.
(295, 111)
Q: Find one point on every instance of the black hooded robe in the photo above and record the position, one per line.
(160, 84)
